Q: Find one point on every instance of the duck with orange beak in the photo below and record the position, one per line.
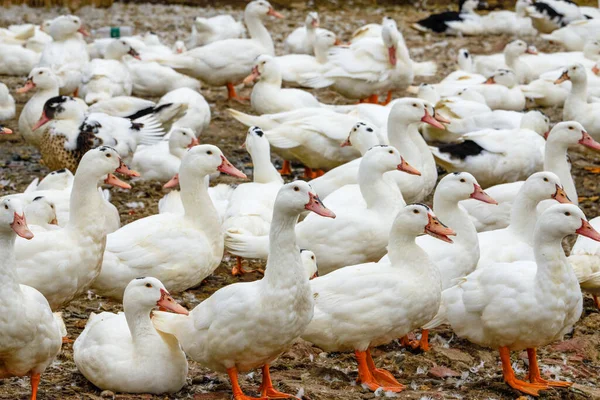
(5, 131)
(124, 352)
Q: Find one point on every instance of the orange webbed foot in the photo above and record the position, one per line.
(271, 393)
(386, 379)
(66, 340)
(238, 269)
(232, 94)
(285, 168)
(532, 389)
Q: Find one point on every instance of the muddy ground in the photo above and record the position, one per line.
(454, 369)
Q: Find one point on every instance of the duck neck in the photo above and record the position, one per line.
(47, 91)
(271, 83)
(86, 206)
(176, 150)
(400, 137)
(140, 324)
(380, 194)
(8, 273)
(311, 34)
(284, 265)
(197, 205)
(426, 165)
(258, 32)
(321, 53)
(556, 161)
(550, 259)
(406, 254)
(455, 216)
(579, 89)
(523, 217)
(264, 170)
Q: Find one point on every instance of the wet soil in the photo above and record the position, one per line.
(453, 369)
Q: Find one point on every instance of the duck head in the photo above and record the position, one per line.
(261, 9)
(410, 111)
(12, 217)
(60, 108)
(182, 139)
(119, 48)
(468, 6)
(575, 73)
(64, 26)
(59, 179)
(147, 294)
(571, 133)
(503, 77)
(312, 20)
(102, 162)
(256, 142)
(265, 69)
(41, 211)
(418, 219)
(309, 260)
(296, 197)
(464, 60)
(42, 78)
(326, 40)
(543, 186)
(461, 186)
(207, 159)
(391, 37)
(362, 136)
(561, 220)
(383, 158)
(536, 121)
(428, 93)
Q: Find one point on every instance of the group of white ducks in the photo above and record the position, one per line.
(496, 273)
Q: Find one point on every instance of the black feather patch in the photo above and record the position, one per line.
(438, 22)
(462, 150)
(54, 105)
(549, 12)
(38, 198)
(136, 126)
(141, 113)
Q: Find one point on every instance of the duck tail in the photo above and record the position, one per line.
(61, 323)
(427, 68)
(148, 129)
(242, 243)
(249, 120)
(439, 319)
(169, 322)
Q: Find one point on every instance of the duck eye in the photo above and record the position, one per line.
(415, 211)
(312, 257)
(296, 189)
(6, 206)
(415, 105)
(568, 214)
(148, 285)
(463, 180)
(184, 134)
(545, 179)
(391, 152)
(570, 128)
(209, 153)
(108, 156)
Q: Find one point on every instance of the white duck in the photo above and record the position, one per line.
(180, 250)
(162, 160)
(298, 68)
(575, 35)
(403, 294)
(501, 91)
(267, 95)
(112, 347)
(250, 207)
(465, 74)
(183, 108)
(72, 256)
(523, 304)
(7, 104)
(576, 105)
(123, 106)
(302, 40)
(563, 136)
(41, 215)
(244, 326)
(514, 243)
(226, 62)
(47, 85)
(363, 136)
(498, 156)
(67, 54)
(16, 60)
(362, 211)
(151, 79)
(585, 263)
(549, 15)
(105, 78)
(487, 65)
(31, 336)
(208, 30)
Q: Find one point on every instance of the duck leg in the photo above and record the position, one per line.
(235, 386)
(381, 375)
(534, 372)
(532, 389)
(387, 99)
(286, 168)
(373, 99)
(366, 377)
(232, 94)
(422, 344)
(35, 382)
(597, 301)
(266, 387)
(238, 269)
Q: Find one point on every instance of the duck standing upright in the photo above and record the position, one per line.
(30, 336)
(245, 326)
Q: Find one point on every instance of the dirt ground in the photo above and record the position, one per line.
(454, 369)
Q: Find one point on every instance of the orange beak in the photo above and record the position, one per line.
(274, 13)
(346, 142)
(28, 86)
(19, 225)
(531, 50)
(54, 222)
(134, 54)
(428, 119)
(392, 55)
(441, 118)
(596, 70)
(315, 275)
(489, 81)
(406, 167)
(166, 303)
(546, 134)
(227, 168)
(174, 182)
(337, 42)
(124, 169)
(42, 121)
(83, 31)
(438, 230)
(194, 142)
(560, 195)
(252, 77)
(589, 142)
(116, 182)
(316, 205)
(562, 78)
(5, 131)
(479, 194)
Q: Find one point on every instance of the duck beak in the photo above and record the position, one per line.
(274, 13)
(546, 134)
(166, 303)
(490, 81)
(124, 169)
(589, 142)
(174, 182)
(133, 53)
(392, 55)
(479, 194)
(428, 119)
(560, 195)
(562, 78)
(315, 275)
(531, 50)
(596, 70)
(252, 77)
(346, 142)
(315, 23)
(438, 230)
(409, 169)
(194, 142)
(337, 42)
(54, 222)
(440, 118)
(27, 87)
(5, 131)
(42, 121)
(227, 168)
(19, 225)
(316, 205)
(116, 182)
(83, 31)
